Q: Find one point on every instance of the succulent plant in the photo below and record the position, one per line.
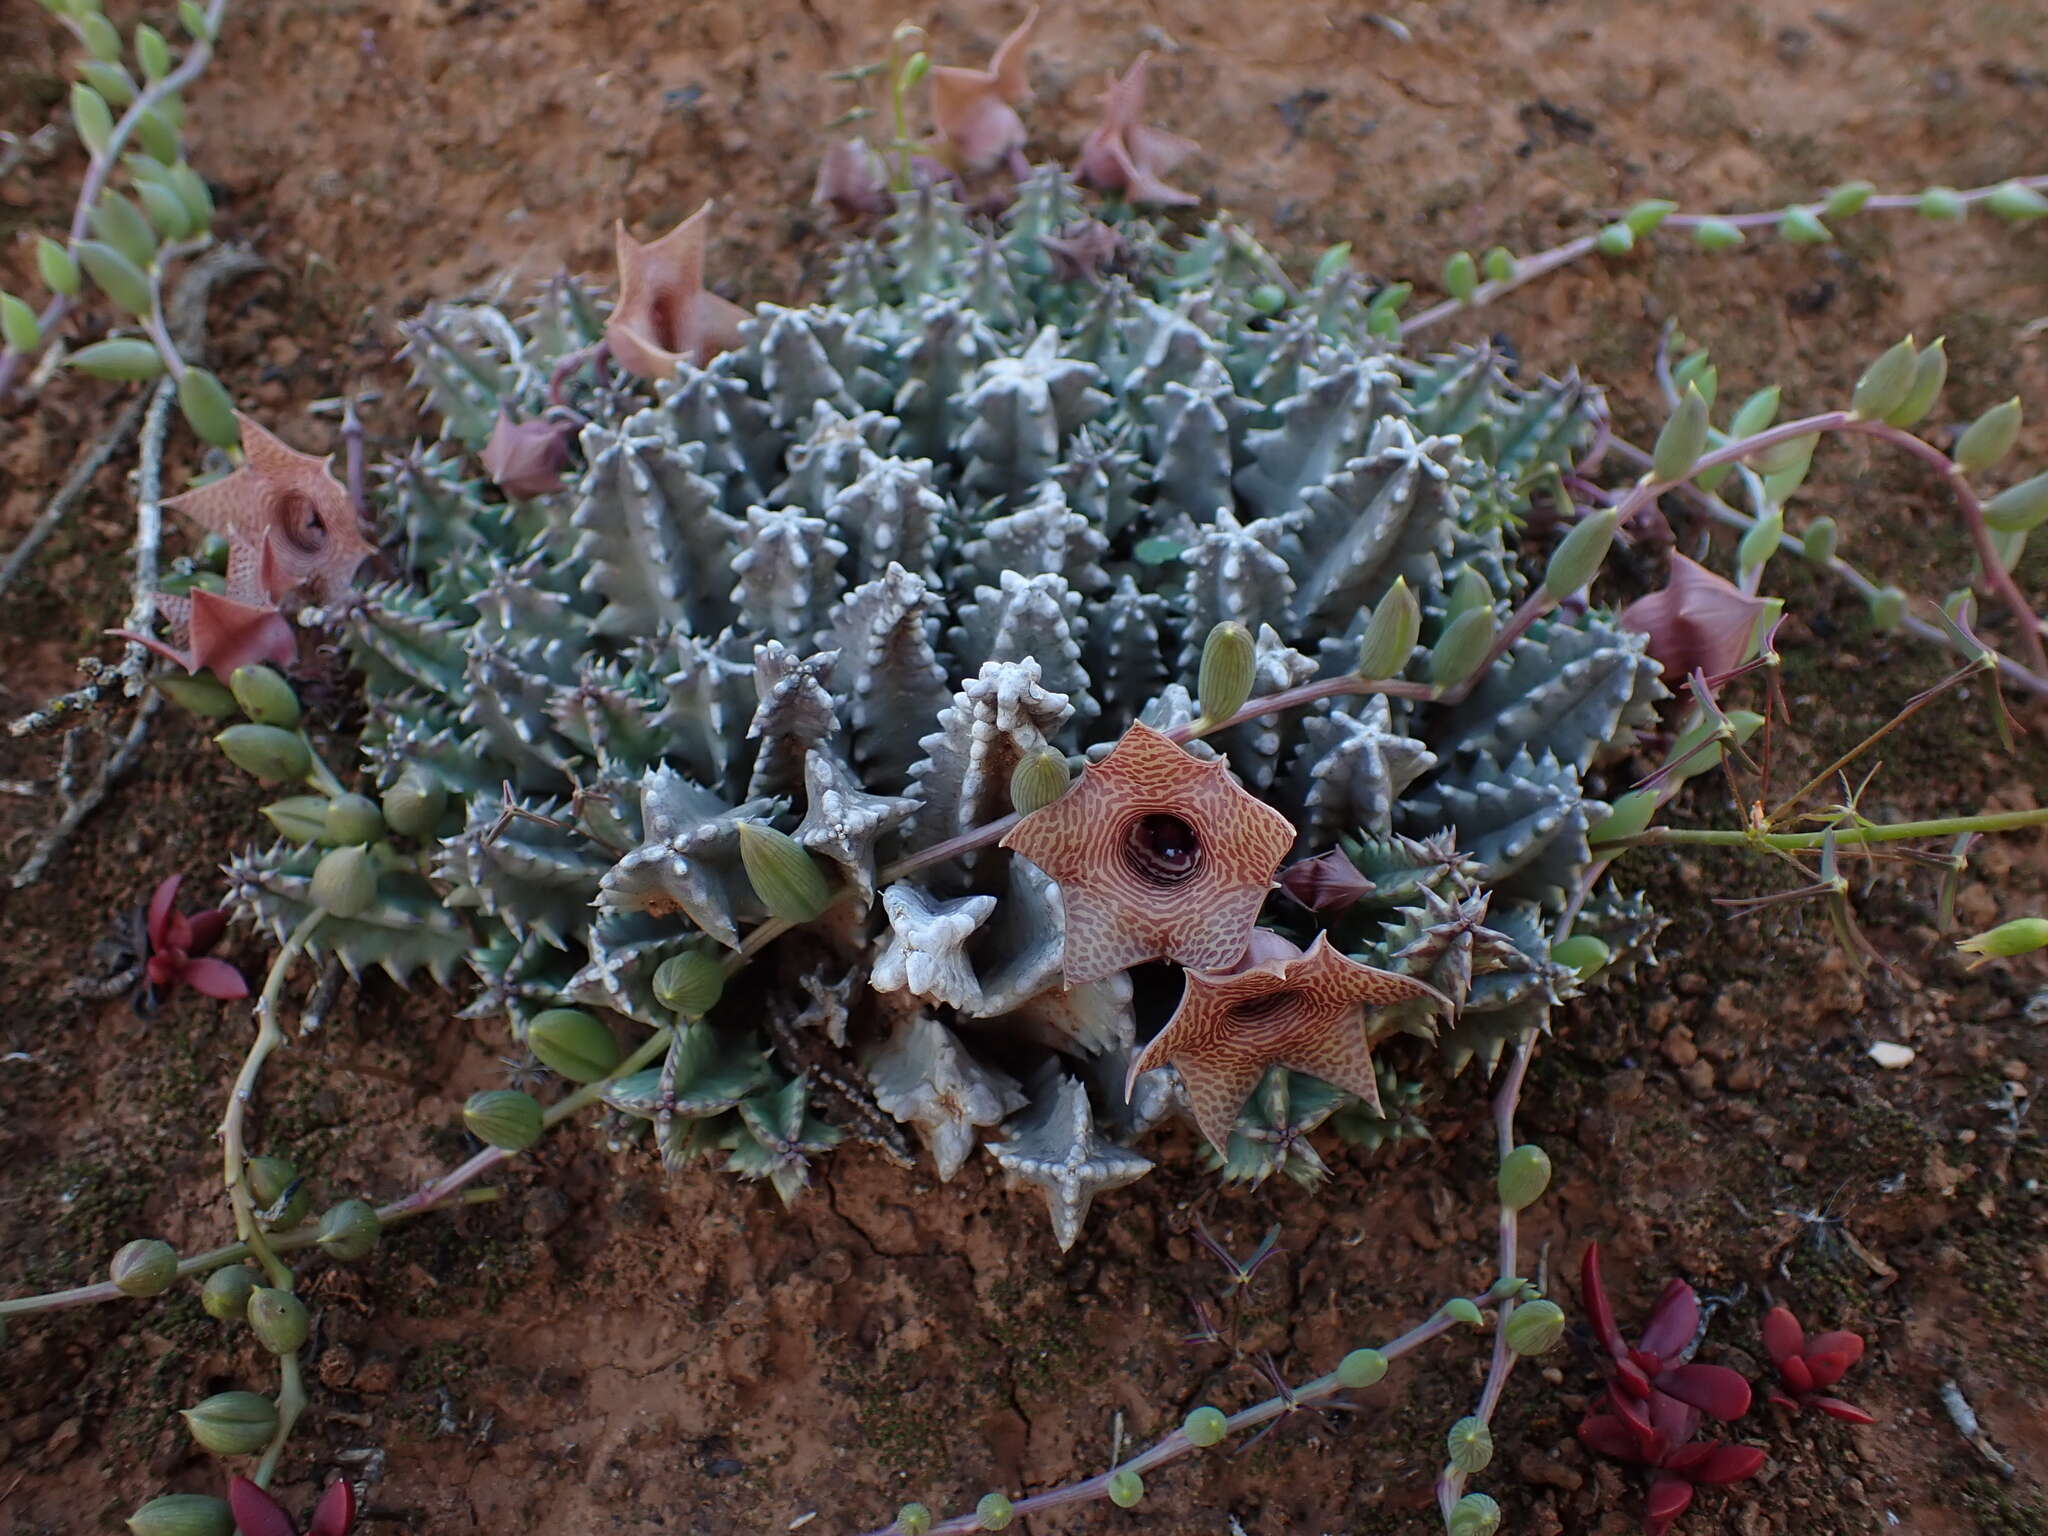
(888, 561)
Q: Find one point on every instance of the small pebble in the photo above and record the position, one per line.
(1891, 1055)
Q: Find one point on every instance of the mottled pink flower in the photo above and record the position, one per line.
(220, 634)
(1698, 622)
(975, 110)
(852, 180)
(665, 316)
(1127, 156)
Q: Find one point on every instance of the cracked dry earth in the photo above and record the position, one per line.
(608, 1350)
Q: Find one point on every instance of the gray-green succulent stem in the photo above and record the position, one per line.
(1451, 1485)
(291, 1402)
(100, 165)
(1876, 201)
(1176, 1445)
(1846, 839)
(234, 1155)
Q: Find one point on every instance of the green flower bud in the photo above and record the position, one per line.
(2020, 936)
(92, 119)
(278, 1319)
(1205, 1426)
(785, 878)
(207, 408)
(1717, 235)
(225, 1295)
(1331, 262)
(1040, 777)
(1462, 647)
(299, 819)
(19, 328)
(269, 1180)
(1470, 1444)
(575, 1044)
(268, 753)
(1462, 1309)
(197, 694)
(1683, 439)
(1125, 1488)
(1535, 1327)
(344, 882)
(1583, 953)
(1615, 240)
(1627, 816)
(994, 1511)
(1648, 214)
(503, 1118)
(1930, 372)
(1941, 203)
(913, 1519)
(352, 819)
(57, 268)
(152, 52)
(124, 358)
(1577, 558)
(1268, 298)
(118, 274)
(1524, 1175)
(2016, 203)
(1362, 1368)
(265, 696)
(349, 1230)
(1391, 633)
(1798, 226)
(170, 218)
(1473, 1515)
(1989, 438)
(145, 1267)
(183, 1514)
(2021, 508)
(1818, 543)
(689, 984)
(1225, 679)
(1887, 609)
(1498, 264)
(1847, 199)
(1461, 276)
(1886, 382)
(232, 1423)
(413, 805)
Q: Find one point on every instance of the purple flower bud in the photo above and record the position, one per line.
(526, 458)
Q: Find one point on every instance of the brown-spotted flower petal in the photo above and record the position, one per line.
(221, 634)
(1282, 1008)
(1699, 622)
(1124, 155)
(526, 458)
(852, 181)
(664, 315)
(288, 522)
(1157, 854)
(975, 110)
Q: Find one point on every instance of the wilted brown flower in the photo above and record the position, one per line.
(975, 110)
(664, 315)
(1125, 155)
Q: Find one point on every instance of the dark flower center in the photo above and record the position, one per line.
(667, 319)
(1264, 1009)
(301, 523)
(1161, 849)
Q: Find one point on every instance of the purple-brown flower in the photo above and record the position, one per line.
(664, 315)
(852, 181)
(1127, 156)
(220, 634)
(1699, 622)
(975, 110)
(526, 458)
(1158, 854)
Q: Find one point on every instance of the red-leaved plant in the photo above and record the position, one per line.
(1807, 1365)
(178, 946)
(258, 1514)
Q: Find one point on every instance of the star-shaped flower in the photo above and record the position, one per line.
(1157, 854)
(664, 316)
(288, 522)
(1124, 155)
(1058, 1149)
(975, 110)
(1284, 1008)
(526, 458)
(1698, 622)
(221, 634)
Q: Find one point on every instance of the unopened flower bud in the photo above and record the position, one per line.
(1717, 235)
(344, 882)
(503, 1118)
(2019, 509)
(1205, 1426)
(352, 819)
(574, 1044)
(299, 818)
(1225, 680)
(265, 696)
(271, 1180)
(1626, 817)
(1930, 372)
(1362, 1368)
(264, 751)
(145, 1267)
(2016, 202)
(1524, 1175)
(1887, 609)
(349, 1230)
(1473, 1515)
(913, 1519)
(2020, 936)
(994, 1511)
(413, 805)
(1461, 276)
(1535, 1326)
(1683, 439)
(1577, 558)
(183, 1514)
(1470, 1444)
(1582, 954)
(785, 878)
(1040, 777)
(278, 1319)
(1391, 633)
(197, 694)
(1460, 649)
(1126, 1488)
(225, 1295)
(232, 1423)
(1989, 438)
(1798, 226)
(1886, 382)
(689, 984)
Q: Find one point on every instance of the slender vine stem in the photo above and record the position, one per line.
(234, 1156)
(1847, 839)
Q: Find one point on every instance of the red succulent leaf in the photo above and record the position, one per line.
(1611, 1435)
(162, 905)
(1673, 1322)
(1713, 1389)
(1675, 1422)
(165, 967)
(1686, 1460)
(1728, 1464)
(1826, 1369)
(1784, 1339)
(1841, 1342)
(256, 1512)
(214, 978)
(204, 931)
(1669, 1497)
(1796, 1373)
(1835, 1408)
(1593, 1294)
(1630, 1379)
(336, 1512)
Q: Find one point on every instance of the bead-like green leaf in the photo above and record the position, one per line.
(1942, 204)
(1615, 239)
(1578, 556)
(91, 117)
(1461, 276)
(56, 267)
(119, 278)
(1799, 226)
(1989, 438)
(1391, 633)
(206, 405)
(1648, 214)
(19, 328)
(124, 357)
(1846, 199)
(2016, 203)
(1886, 382)
(1930, 372)
(2021, 508)
(152, 52)
(110, 80)
(1717, 235)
